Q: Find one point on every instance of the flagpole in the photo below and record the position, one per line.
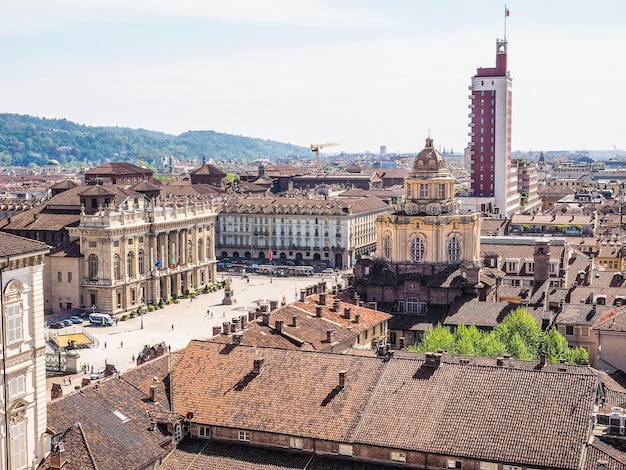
(505, 15)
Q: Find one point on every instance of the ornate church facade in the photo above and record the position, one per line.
(427, 251)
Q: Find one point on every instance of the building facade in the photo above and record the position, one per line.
(144, 250)
(318, 232)
(493, 175)
(23, 373)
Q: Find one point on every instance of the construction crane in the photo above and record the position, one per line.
(316, 148)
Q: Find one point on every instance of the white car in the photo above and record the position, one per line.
(328, 271)
(97, 374)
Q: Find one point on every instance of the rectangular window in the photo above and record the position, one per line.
(59, 276)
(488, 466)
(398, 456)
(296, 443)
(345, 449)
(141, 238)
(205, 432)
(244, 436)
(92, 244)
(442, 189)
(510, 467)
(423, 308)
(69, 277)
(454, 464)
(130, 241)
(14, 319)
(423, 190)
(116, 243)
(18, 445)
(569, 330)
(17, 386)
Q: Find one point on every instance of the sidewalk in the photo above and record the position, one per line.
(177, 324)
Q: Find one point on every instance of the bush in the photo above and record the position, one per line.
(124, 317)
(133, 314)
(205, 289)
(151, 308)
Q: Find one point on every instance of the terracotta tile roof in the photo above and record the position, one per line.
(116, 440)
(580, 314)
(209, 169)
(116, 168)
(481, 314)
(216, 382)
(612, 320)
(609, 449)
(12, 245)
(468, 407)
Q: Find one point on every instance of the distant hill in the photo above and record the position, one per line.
(26, 139)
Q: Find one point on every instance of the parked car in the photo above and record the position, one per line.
(76, 319)
(68, 322)
(97, 374)
(328, 271)
(57, 324)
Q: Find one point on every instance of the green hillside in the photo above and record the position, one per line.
(26, 140)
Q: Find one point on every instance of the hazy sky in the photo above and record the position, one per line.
(364, 73)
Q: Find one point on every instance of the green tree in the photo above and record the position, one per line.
(467, 340)
(440, 337)
(555, 345)
(519, 323)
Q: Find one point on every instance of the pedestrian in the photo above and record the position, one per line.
(211, 314)
(92, 368)
(64, 381)
(224, 314)
(133, 360)
(122, 344)
(70, 380)
(105, 361)
(105, 345)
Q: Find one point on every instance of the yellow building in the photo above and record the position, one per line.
(422, 241)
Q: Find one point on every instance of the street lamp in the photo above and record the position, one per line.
(141, 312)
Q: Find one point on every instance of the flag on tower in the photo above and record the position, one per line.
(507, 12)
(173, 262)
(271, 255)
(158, 263)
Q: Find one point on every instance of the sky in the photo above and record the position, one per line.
(362, 73)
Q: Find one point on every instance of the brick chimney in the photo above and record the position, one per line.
(357, 318)
(56, 391)
(322, 298)
(402, 342)
(216, 330)
(278, 325)
(342, 378)
(294, 320)
(336, 305)
(243, 321)
(330, 336)
(258, 365)
(238, 339)
(542, 358)
(265, 319)
(302, 295)
(57, 457)
(433, 360)
(225, 328)
(318, 310)
(152, 392)
(347, 312)
(500, 361)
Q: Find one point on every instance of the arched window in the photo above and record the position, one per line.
(454, 249)
(129, 264)
(116, 267)
(417, 250)
(140, 262)
(412, 305)
(387, 247)
(93, 267)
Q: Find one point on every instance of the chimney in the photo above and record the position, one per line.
(357, 318)
(594, 307)
(322, 298)
(602, 465)
(336, 304)
(318, 310)
(56, 392)
(273, 305)
(258, 365)
(542, 358)
(57, 457)
(361, 303)
(234, 325)
(152, 392)
(225, 327)
(294, 320)
(500, 361)
(251, 316)
(279, 326)
(433, 360)
(243, 321)
(302, 295)
(265, 319)
(402, 342)
(347, 312)
(216, 330)
(238, 339)
(330, 336)
(342, 378)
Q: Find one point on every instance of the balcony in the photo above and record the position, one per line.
(471, 106)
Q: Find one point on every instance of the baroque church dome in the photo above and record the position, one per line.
(429, 159)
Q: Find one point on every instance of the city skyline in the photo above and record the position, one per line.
(360, 73)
